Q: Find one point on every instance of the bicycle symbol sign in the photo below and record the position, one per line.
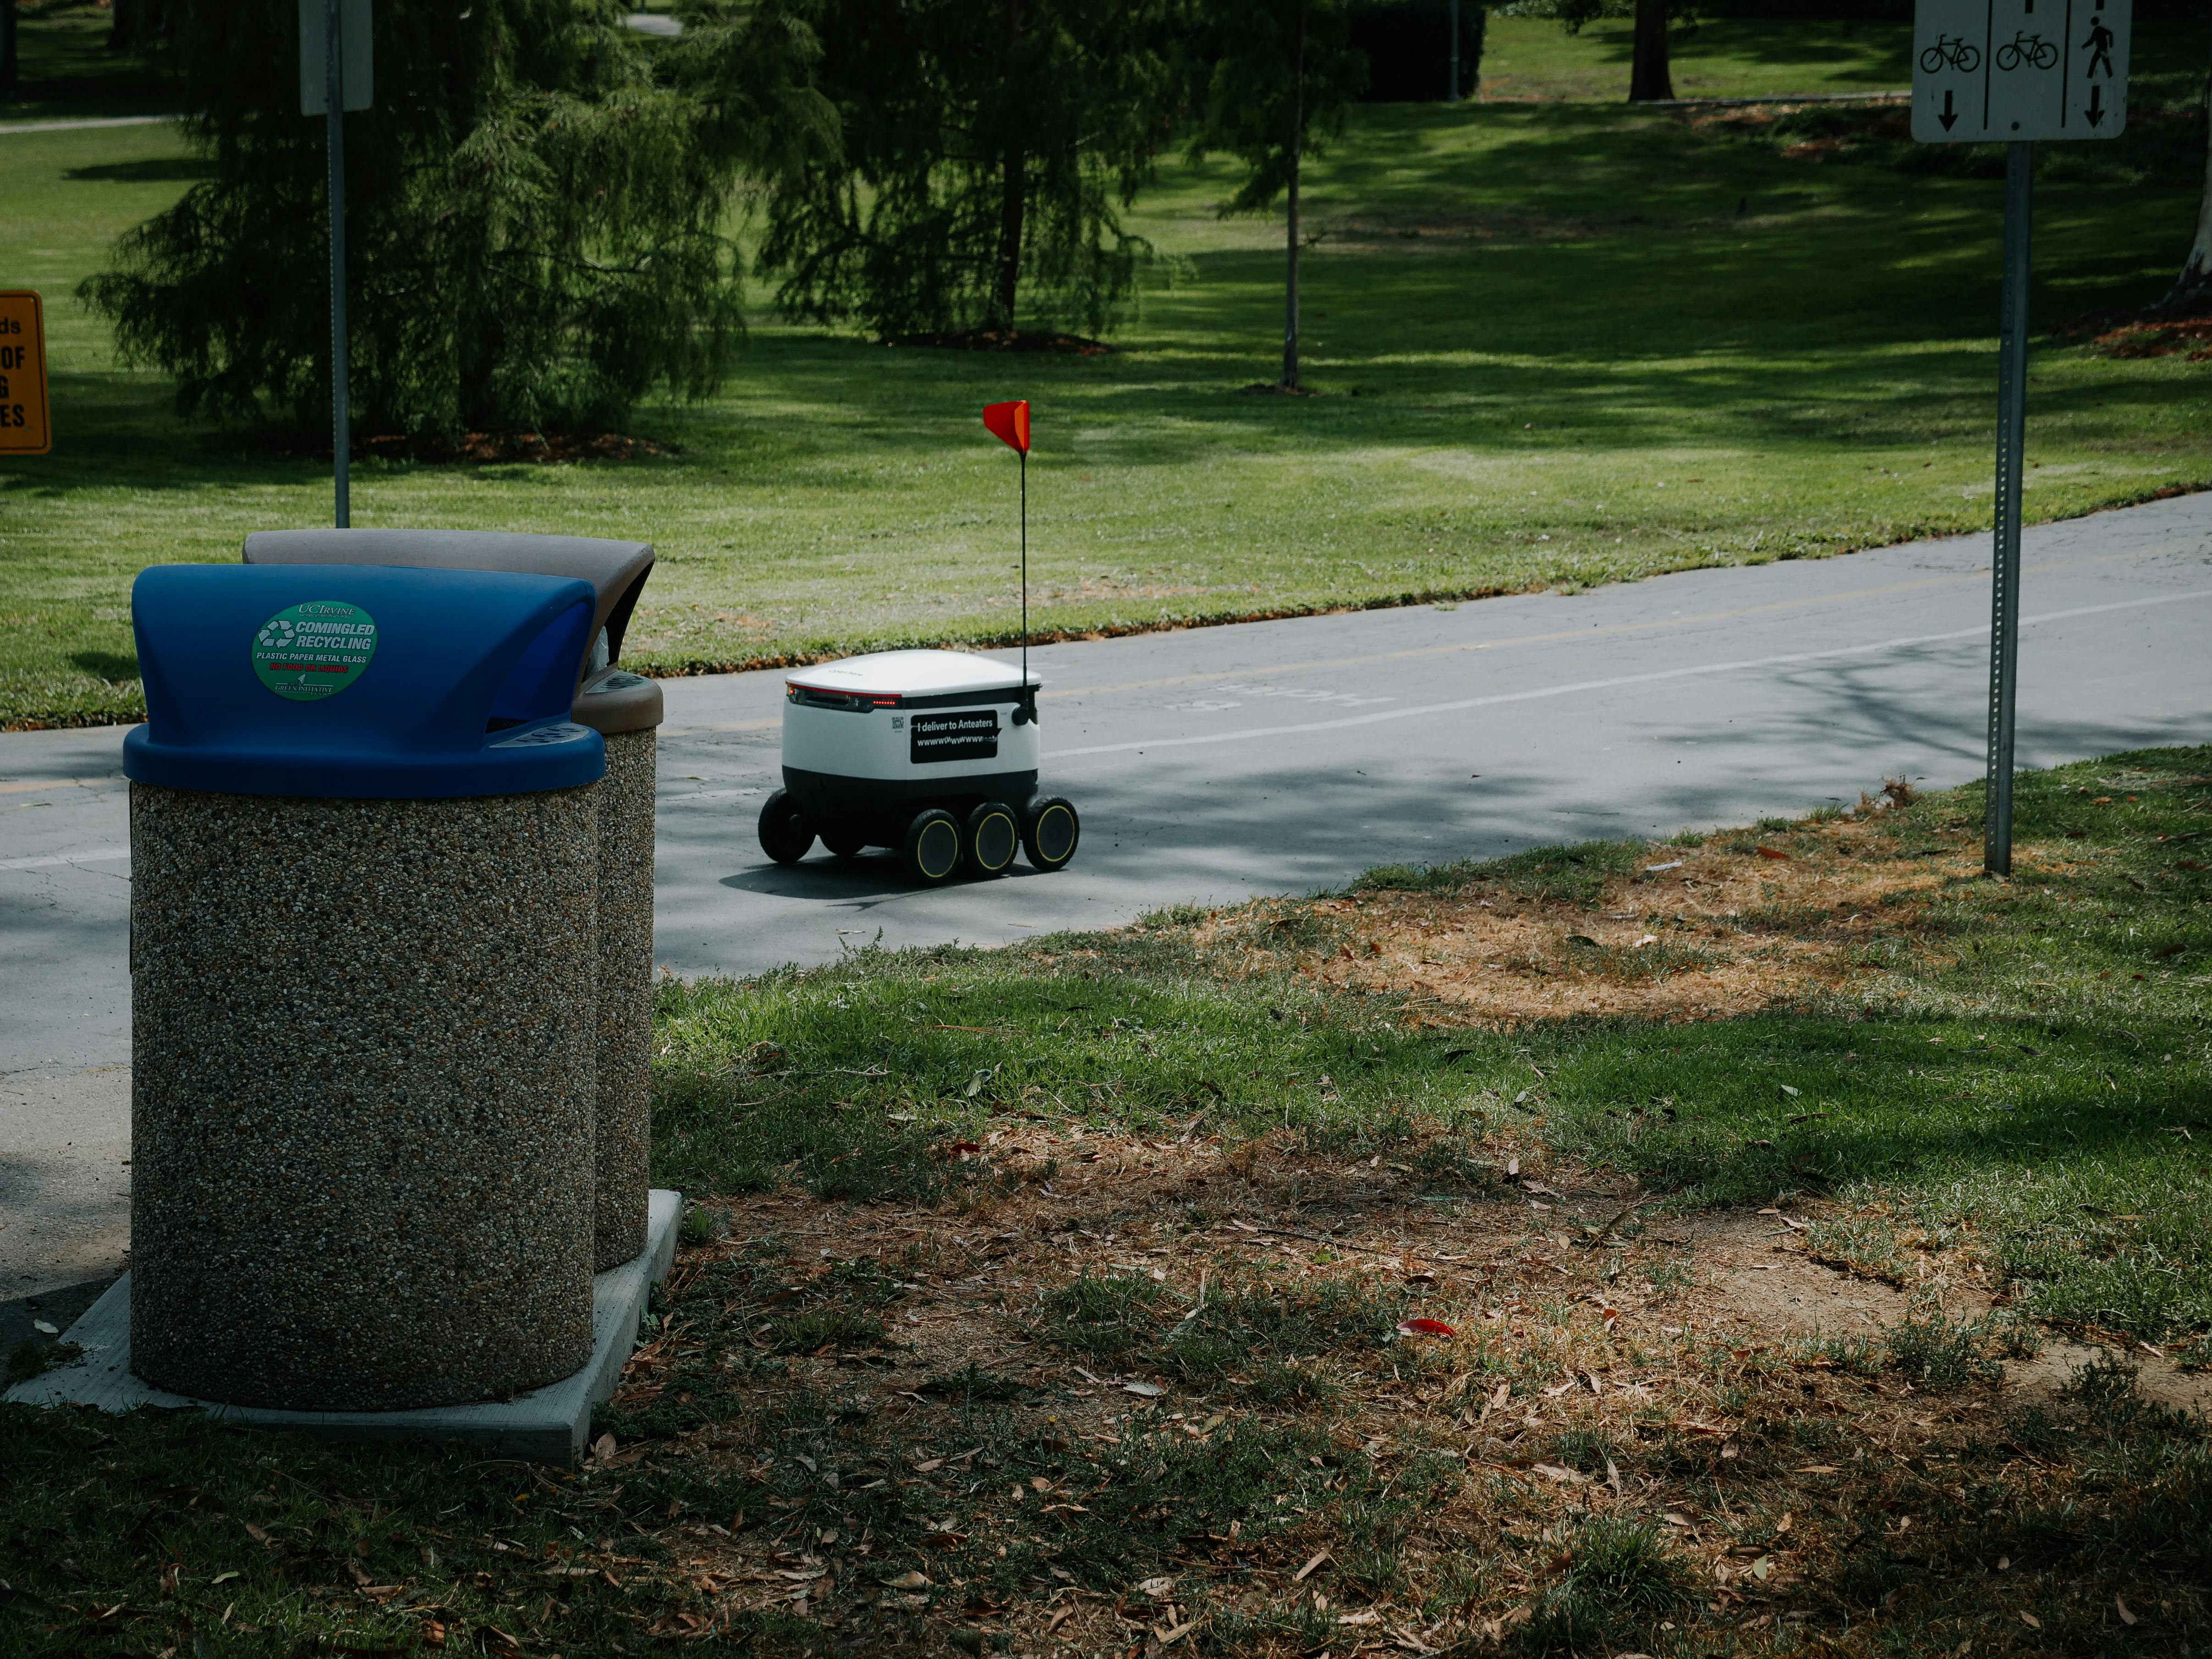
(2002, 71)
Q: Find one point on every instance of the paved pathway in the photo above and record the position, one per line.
(1218, 762)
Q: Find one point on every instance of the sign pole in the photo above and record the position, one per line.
(341, 422)
(1998, 71)
(2004, 563)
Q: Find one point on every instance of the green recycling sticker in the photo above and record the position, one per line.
(315, 650)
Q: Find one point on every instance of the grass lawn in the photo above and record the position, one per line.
(1765, 1206)
(1558, 344)
(66, 73)
(1535, 58)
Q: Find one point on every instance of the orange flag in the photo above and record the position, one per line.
(1009, 423)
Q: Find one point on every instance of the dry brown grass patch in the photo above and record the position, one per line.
(1720, 930)
(1705, 1376)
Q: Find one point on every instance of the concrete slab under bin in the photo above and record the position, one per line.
(549, 1425)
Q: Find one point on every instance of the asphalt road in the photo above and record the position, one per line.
(1218, 763)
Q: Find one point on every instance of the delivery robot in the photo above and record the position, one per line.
(932, 753)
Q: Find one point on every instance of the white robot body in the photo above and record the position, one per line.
(905, 727)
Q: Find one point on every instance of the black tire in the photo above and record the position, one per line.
(844, 843)
(931, 847)
(785, 834)
(1050, 831)
(991, 837)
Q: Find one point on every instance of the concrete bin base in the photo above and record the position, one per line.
(548, 1424)
(361, 1106)
(623, 1131)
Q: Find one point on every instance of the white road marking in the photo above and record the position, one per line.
(1573, 687)
(92, 856)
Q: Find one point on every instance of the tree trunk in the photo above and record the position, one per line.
(1649, 77)
(1013, 199)
(9, 71)
(2194, 285)
(1289, 380)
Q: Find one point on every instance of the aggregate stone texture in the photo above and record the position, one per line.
(625, 1103)
(364, 1036)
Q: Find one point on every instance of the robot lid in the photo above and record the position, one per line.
(888, 676)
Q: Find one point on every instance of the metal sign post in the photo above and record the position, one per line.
(2003, 71)
(335, 68)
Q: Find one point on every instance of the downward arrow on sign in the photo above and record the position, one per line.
(1950, 115)
(2096, 111)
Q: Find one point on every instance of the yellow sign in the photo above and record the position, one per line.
(23, 426)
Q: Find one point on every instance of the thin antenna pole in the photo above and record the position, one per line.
(1025, 572)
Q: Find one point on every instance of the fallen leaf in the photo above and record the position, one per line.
(44, 1329)
(1370, 1617)
(1787, 1090)
(1168, 1638)
(1424, 1327)
(1567, 1477)
(1149, 1391)
(906, 1580)
(2031, 1621)
(1306, 1571)
(1158, 1588)
(1772, 853)
(2126, 1612)
(927, 1464)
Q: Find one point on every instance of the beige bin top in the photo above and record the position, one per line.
(608, 700)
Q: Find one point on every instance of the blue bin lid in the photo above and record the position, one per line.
(352, 681)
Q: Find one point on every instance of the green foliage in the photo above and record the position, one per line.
(31, 1358)
(1621, 1574)
(1936, 1354)
(533, 221)
(1576, 874)
(1104, 1315)
(1272, 1324)
(984, 151)
(1281, 76)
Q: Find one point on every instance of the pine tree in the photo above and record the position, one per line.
(534, 221)
(985, 145)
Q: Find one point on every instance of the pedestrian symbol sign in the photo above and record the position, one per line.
(2018, 71)
(24, 430)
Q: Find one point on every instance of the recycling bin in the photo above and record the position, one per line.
(364, 898)
(625, 710)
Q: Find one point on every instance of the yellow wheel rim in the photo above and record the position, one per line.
(938, 850)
